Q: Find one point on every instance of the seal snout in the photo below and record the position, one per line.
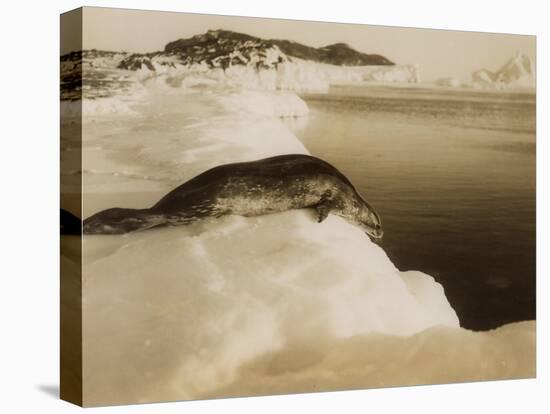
(378, 233)
(373, 225)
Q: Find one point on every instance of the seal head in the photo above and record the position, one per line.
(348, 204)
(370, 221)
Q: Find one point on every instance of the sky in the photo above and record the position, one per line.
(438, 53)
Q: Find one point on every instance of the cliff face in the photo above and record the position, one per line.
(302, 75)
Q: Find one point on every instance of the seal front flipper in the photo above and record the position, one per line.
(322, 210)
(324, 206)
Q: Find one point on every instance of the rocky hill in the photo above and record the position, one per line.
(224, 48)
(225, 57)
(340, 54)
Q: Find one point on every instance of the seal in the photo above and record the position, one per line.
(265, 186)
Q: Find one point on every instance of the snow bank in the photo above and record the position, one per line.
(438, 355)
(183, 134)
(243, 306)
(250, 103)
(210, 298)
(99, 107)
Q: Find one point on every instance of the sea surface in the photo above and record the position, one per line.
(452, 174)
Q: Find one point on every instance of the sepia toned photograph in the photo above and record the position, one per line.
(255, 206)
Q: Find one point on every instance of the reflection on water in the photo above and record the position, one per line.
(452, 174)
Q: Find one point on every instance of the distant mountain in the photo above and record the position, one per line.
(222, 48)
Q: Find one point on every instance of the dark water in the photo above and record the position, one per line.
(452, 174)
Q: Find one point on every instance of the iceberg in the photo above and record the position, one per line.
(450, 82)
(251, 306)
(518, 72)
